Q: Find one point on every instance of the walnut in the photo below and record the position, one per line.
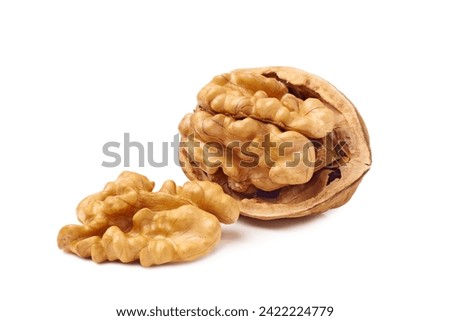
(283, 142)
(127, 221)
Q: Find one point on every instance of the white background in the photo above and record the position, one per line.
(77, 74)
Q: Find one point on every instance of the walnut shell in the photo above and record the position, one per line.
(239, 112)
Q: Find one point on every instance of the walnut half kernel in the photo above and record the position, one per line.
(282, 141)
(129, 222)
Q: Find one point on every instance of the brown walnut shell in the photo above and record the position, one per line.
(299, 116)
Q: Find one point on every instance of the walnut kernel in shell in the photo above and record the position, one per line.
(284, 142)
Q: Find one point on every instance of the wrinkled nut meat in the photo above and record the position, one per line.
(127, 221)
(284, 142)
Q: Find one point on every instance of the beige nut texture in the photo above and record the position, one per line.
(284, 142)
(128, 221)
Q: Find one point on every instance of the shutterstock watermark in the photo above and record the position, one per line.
(212, 154)
(120, 153)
